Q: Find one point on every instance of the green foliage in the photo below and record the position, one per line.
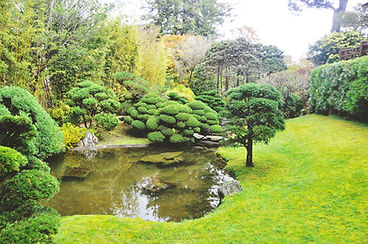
(88, 100)
(170, 110)
(341, 88)
(138, 125)
(128, 119)
(26, 119)
(193, 122)
(176, 138)
(175, 97)
(212, 99)
(27, 185)
(292, 107)
(168, 132)
(167, 119)
(151, 123)
(197, 105)
(60, 112)
(10, 161)
(254, 115)
(187, 17)
(107, 121)
(156, 136)
(182, 116)
(215, 128)
(72, 134)
(327, 49)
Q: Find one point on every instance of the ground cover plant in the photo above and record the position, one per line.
(309, 185)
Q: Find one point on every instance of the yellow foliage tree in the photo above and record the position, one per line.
(152, 58)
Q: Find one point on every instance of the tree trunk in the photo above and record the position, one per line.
(342, 7)
(218, 79)
(190, 76)
(249, 147)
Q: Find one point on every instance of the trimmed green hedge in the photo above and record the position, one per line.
(341, 88)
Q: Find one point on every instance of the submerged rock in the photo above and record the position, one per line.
(77, 172)
(163, 158)
(154, 184)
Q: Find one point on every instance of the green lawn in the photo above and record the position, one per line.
(310, 184)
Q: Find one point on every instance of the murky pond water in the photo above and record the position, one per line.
(185, 185)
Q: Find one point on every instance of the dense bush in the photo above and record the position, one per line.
(73, 134)
(10, 161)
(22, 117)
(106, 121)
(212, 99)
(172, 121)
(341, 88)
(88, 100)
(60, 112)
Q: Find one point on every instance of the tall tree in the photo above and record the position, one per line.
(179, 17)
(254, 115)
(299, 5)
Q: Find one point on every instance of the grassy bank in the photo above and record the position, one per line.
(121, 135)
(310, 184)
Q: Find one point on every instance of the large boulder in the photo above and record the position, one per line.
(167, 158)
(89, 141)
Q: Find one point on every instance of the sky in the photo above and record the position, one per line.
(271, 19)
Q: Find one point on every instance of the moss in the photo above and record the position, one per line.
(170, 110)
(151, 123)
(138, 125)
(167, 119)
(212, 116)
(188, 132)
(182, 116)
(156, 136)
(176, 138)
(197, 129)
(128, 119)
(168, 132)
(198, 111)
(142, 109)
(193, 122)
(215, 128)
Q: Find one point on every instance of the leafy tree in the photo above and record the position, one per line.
(299, 5)
(88, 100)
(254, 115)
(179, 17)
(356, 20)
(326, 50)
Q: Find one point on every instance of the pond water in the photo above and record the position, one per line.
(117, 182)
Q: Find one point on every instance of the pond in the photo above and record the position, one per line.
(187, 183)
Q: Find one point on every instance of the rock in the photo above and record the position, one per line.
(89, 141)
(208, 143)
(163, 158)
(213, 138)
(198, 136)
(154, 184)
(229, 186)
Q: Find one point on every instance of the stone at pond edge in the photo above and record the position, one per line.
(163, 158)
(229, 186)
(89, 141)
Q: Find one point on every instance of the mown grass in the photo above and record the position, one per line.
(310, 184)
(121, 135)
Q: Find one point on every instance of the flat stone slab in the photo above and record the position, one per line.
(163, 158)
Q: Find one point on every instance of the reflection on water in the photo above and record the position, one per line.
(115, 182)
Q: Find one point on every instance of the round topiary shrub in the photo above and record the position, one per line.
(200, 118)
(197, 105)
(215, 128)
(188, 132)
(27, 185)
(193, 122)
(128, 119)
(212, 122)
(197, 129)
(167, 119)
(10, 161)
(198, 111)
(37, 164)
(154, 112)
(107, 121)
(211, 116)
(133, 113)
(182, 116)
(151, 106)
(181, 125)
(156, 136)
(176, 138)
(170, 110)
(138, 125)
(142, 109)
(184, 109)
(151, 123)
(168, 132)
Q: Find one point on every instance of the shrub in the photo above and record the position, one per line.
(199, 112)
(156, 136)
(142, 109)
(37, 164)
(181, 125)
(26, 112)
(176, 138)
(107, 121)
(183, 92)
(27, 185)
(175, 97)
(188, 132)
(215, 128)
(60, 112)
(72, 134)
(151, 123)
(170, 110)
(128, 119)
(133, 113)
(193, 122)
(138, 125)
(153, 112)
(212, 99)
(196, 105)
(10, 161)
(168, 132)
(167, 119)
(211, 116)
(212, 122)
(182, 116)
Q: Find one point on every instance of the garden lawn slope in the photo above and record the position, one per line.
(310, 184)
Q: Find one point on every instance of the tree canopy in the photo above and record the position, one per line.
(179, 17)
